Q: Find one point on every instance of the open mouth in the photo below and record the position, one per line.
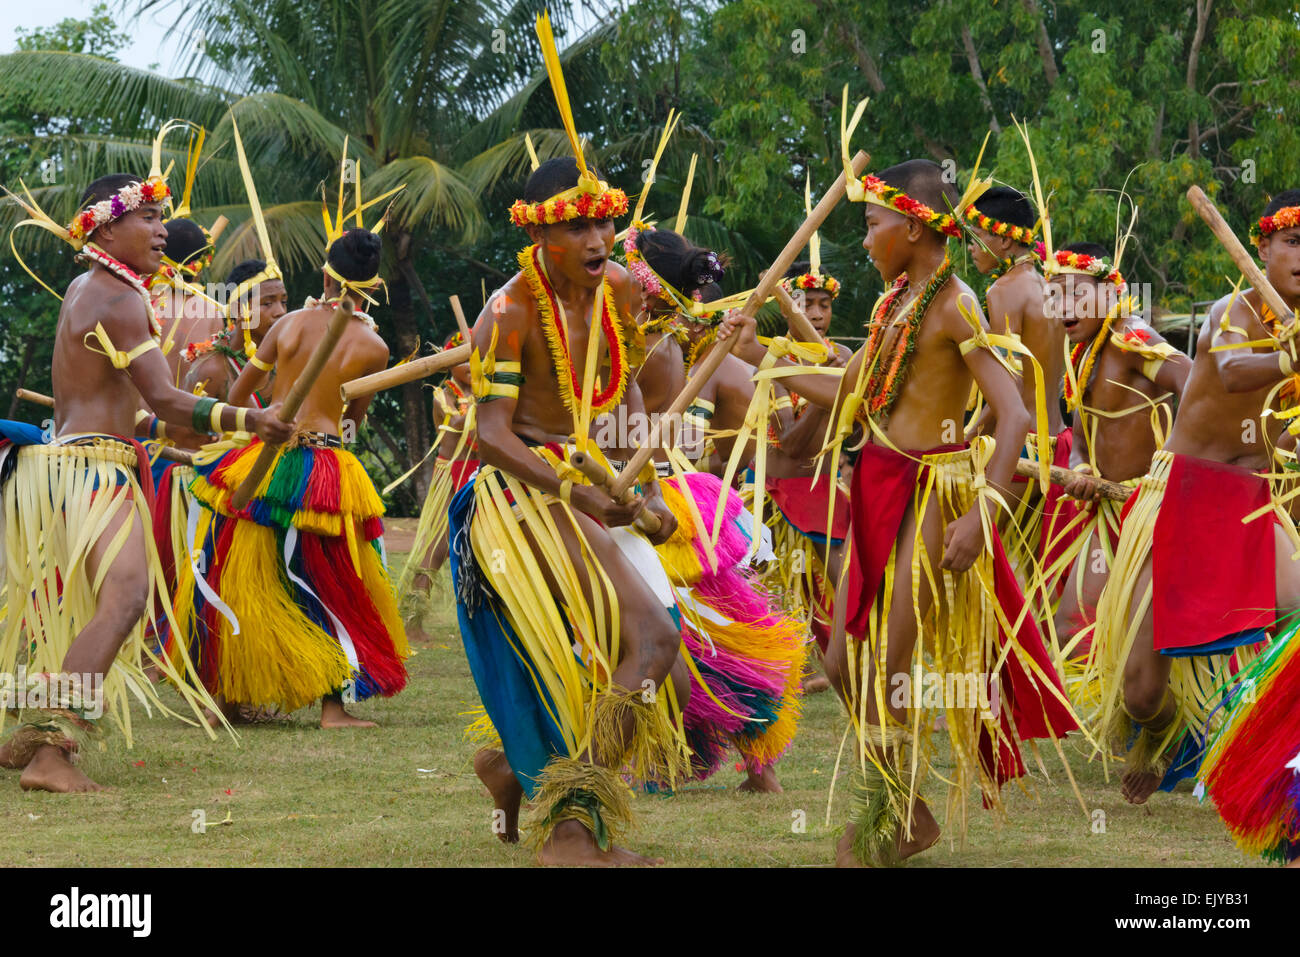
(1069, 323)
(594, 266)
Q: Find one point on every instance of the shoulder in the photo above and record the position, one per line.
(1133, 336)
(958, 309)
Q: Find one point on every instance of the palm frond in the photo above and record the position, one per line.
(508, 161)
(435, 195)
(90, 89)
(296, 231)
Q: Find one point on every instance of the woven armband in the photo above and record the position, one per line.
(503, 382)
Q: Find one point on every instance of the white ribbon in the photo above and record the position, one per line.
(212, 598)
(349, 649)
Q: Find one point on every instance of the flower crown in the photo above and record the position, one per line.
(128, 199)
(577, 203)
(893, 198)
(1284, 218)
(812, 280)
(1019, 234)
(1083, 264)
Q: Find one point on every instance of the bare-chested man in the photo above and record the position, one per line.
(1191, 581)
(913, 376)
(1124, 381)
(799, 428)
(82, 565)
(1001, 223)
(301, 567)
(532, 545)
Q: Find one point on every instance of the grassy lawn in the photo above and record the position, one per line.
(405, 795)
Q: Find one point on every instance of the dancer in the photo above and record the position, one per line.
(81, 563)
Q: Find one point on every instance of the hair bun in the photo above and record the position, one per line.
(706, 268)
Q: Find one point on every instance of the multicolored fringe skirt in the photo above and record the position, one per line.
(1187, 518)
(61, 501)
(977, 646)
(289, 599)
(746, 656)
(543, 664)
(1252, 764)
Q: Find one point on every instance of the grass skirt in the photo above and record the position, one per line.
(57, 506)
(292, 598)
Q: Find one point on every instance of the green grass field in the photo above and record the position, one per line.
(406, 795)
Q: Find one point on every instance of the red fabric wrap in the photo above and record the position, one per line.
(1058, 511)
(1212, 574)
(461, 470)
(804, 506)
(883, 484)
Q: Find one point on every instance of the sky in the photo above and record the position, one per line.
(147, 32)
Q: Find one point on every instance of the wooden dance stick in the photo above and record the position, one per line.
(459, 313)
(800, 324)
(1111, 490)
(293, 401)
(35, 397)
(165, 452)
(406, 372)
(218, 228)
(1244, 261)
(646, 520)
(710, 363)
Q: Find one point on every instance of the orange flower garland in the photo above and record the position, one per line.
(884, 385)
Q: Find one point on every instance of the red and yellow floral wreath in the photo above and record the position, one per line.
(810, 281)
(1019, 234)
(1284, 218)
(571, 204)
(900, 202)
(1086, 265)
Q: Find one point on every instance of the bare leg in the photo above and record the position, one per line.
(494, 771)
(1146, 694)
(761, 781)
(902, 628)
(123, 598)
(649, 646)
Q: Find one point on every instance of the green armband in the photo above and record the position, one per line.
(201, 416)
(503, 383)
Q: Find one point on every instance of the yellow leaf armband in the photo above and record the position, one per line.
(119, 359)
(259, 364)
(502, 382)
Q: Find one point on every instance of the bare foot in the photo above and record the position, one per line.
(571, 845)
(925, 834)
(332, 715)
(1138, 786)
(494, 771)
(764, 782)
(50, 770)
(816, 684)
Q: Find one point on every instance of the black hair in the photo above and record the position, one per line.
(553, 176)
(711, 293)
(106, 187)
(685, 266)
(1087, 249)
(245, 270)
(1289, 197)
(185, 240)
(801, 268)
(1007, 205)
(355, 255)
(922, 179)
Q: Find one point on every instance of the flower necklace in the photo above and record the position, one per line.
(129, 276)
(885, 382)
(1275, 326)
(1084, 375)
(697, 350)
(603, 399)
(1009, 264)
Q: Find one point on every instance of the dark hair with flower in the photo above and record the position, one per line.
(123, 199)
